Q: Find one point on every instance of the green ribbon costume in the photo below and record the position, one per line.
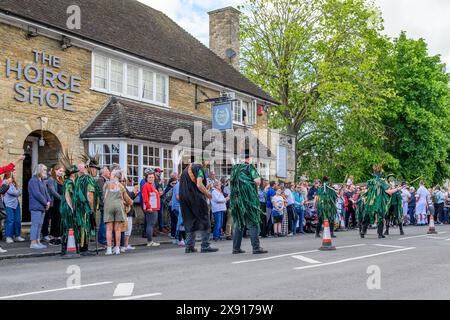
(396, 202)
(69, 220)
(244, 201)
(377, 202)
(326, 203)
(83, 185)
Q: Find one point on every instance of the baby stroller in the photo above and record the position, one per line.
(310, 219)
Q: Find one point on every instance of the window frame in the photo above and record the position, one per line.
(124, 93)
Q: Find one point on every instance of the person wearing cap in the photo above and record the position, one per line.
(87, 201)
(194, 207)
(244, 205)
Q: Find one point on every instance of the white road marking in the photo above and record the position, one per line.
(293, 254)
(141, 296)
(421, 236)
(305, 259)
(354, 258)
(56, 290)
(124, 290)
(436, 238)
(389, 246)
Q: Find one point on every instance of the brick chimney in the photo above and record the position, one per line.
(224, 34)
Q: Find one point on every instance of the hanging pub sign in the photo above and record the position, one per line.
(222, 116)
(43, 85)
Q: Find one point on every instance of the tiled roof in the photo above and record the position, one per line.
(126, 119)
(134, 28)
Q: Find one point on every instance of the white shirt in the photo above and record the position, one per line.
(406, 195)
(422, 193)
(289, 196)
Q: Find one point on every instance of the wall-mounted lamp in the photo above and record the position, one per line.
(65, 43)
(44, 120)
(32, 32)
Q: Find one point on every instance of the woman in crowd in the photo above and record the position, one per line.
(114, 196)
(151, 205)
(55, 188)
(4, 187)
(168, 203)
(422, 196)
(12, 207)
(218, 208)
(262, 195)
(229, 219)
(278, 203)
(299, 209)
(180, 234)
(285, 222)
(130, 215)
(340, 205)
(39, 202)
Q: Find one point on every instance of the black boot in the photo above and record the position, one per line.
(401, 229)
(380, 231)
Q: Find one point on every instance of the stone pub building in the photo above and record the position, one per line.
(118, 78)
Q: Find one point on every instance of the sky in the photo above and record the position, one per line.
(428, 19)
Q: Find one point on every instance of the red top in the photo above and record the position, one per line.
(8, 168)
(147, 190)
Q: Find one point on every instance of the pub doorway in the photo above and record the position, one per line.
(39, 147)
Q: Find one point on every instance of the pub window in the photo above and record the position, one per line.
(263, 169)
(282, 162)
(160, 89)
(133, 165)
(152, 157)
(100, 72)
(132, 81)
(147, 84)
(237, 111)
(116, 76)
(109, 153)
(125, 79)
(168, 163)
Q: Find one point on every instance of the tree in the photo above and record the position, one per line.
(320, 59)
(417, 120)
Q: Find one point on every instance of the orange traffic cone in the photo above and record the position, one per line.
(431, 229)
(326, 241)
(71, 251)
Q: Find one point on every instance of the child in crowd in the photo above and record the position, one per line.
(277, 212)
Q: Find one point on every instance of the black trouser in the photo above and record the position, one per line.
(45, 224)
(392, 215)
(290, 211)
(350, 212)
(173, 221)
(238, 233)
(55, 225)
(439, 212)
(320, 221)
(365, 225)
(263, 233)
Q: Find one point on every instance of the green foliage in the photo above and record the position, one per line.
(352, 96)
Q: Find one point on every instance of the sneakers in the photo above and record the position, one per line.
(238, 251)
(130, 248)
(9, 240)
(153, 244)
(116, 250)
(290, 234)
(108, 251)
(37, 246)
(19, 239)
(3, 251)
(181, 243)
(209, 249)
(47, 238)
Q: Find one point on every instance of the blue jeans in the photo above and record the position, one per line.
(299, 216)
(269, 222)
(411, 215)
(13, 222)
(218, 220)
(445, 212)
(102, 228)
(37, 219)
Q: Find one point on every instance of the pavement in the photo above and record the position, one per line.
(21, 250)
(413, 266)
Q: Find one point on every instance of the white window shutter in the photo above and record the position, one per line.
(282, 162)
